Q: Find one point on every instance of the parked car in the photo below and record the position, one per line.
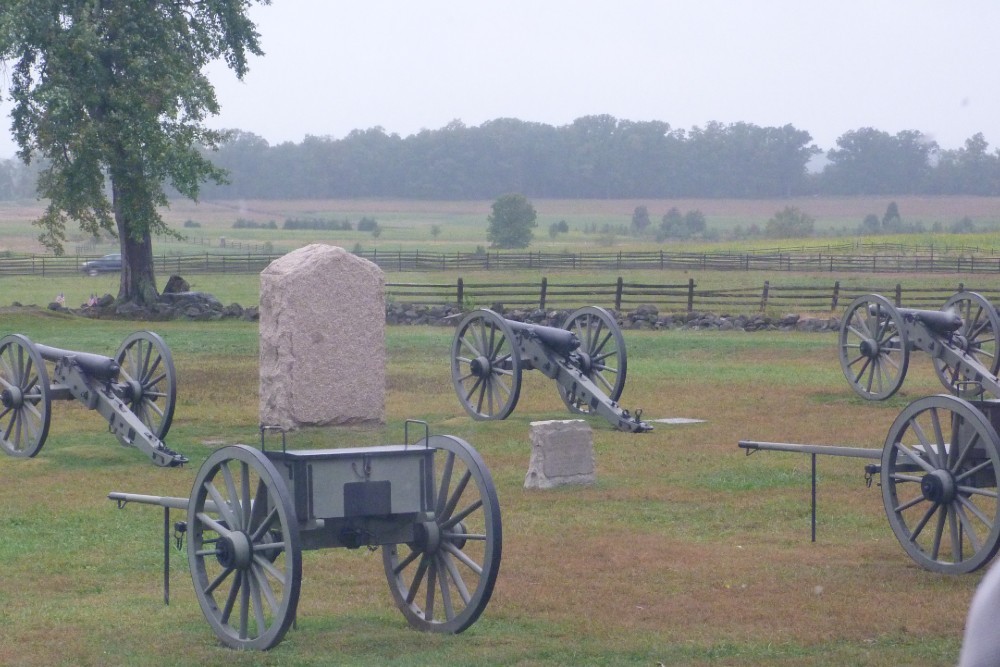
(106, 264)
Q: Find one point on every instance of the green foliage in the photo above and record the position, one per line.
(367, 224)
(242, 223)
(191, 224)
(789, 222)
(557, 228)
(112, 96)
(676, 226)
(963, 226)
(640, 219)
(317, 224)
(870, 225)
(511, 222)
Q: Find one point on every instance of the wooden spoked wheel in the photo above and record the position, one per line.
(977, 338)
(444, 579)
(873, 348)
(601, 355)
(243, 548)
(148, 382)
(485, 366)
(25, 401)
(939, 484)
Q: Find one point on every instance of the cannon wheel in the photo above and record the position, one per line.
(486, 365)
(939, 484)
(977, 337)
(601, 353)
(148, 380)
(243, 548)
(874, 351)
(25, 401)
(444, 579)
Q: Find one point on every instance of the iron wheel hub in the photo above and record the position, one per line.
(235, 551)
(938, 486)
(11, 398)
(869, 348)
(480, 367)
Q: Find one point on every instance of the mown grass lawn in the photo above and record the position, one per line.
(685, 552)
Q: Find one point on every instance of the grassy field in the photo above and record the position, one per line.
(685, 552)
(409, 224)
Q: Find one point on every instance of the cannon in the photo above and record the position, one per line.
(938, 471)
(939, 464)
(586, 358)
(876, 337)
(430, 505)
(135, 391)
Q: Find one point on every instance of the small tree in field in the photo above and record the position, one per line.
(511, 222)
(789, 222)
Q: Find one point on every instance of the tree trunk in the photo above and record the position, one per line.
(138, 282)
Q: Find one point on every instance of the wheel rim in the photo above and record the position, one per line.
(148, 380)
(939, 484)
(444, 579)
(25, 402)
(977, 337)
(601, 355)
(874, 351)
(243, 548)
(486, 366)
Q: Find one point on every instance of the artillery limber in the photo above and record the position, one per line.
(134, 391)
(940, 462)
(430, 505)
(586, 358)
(876, 339)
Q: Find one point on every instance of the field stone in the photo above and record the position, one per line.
(322, 339)
(562, 452)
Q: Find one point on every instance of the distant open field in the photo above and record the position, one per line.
(462, 224)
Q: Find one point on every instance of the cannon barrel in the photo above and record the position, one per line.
(941, 322)
(96, 365)
(560, 340)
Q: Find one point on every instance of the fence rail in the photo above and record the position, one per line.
(620, 295)
(892, 260)
(684, 297)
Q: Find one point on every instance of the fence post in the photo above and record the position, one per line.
(836, 295)
(763, 296)
(899, 295)
(541, 297)
(618, 293)
(460, 292)
(661, 260)
(690, 295)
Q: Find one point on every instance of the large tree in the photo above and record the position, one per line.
(112, 95)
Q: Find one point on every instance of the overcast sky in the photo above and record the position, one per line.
(826, 67)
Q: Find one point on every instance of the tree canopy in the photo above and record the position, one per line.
(511, 222)
(600, 157)
(111, 95)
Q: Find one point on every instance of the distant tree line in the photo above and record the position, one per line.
(592, 157)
